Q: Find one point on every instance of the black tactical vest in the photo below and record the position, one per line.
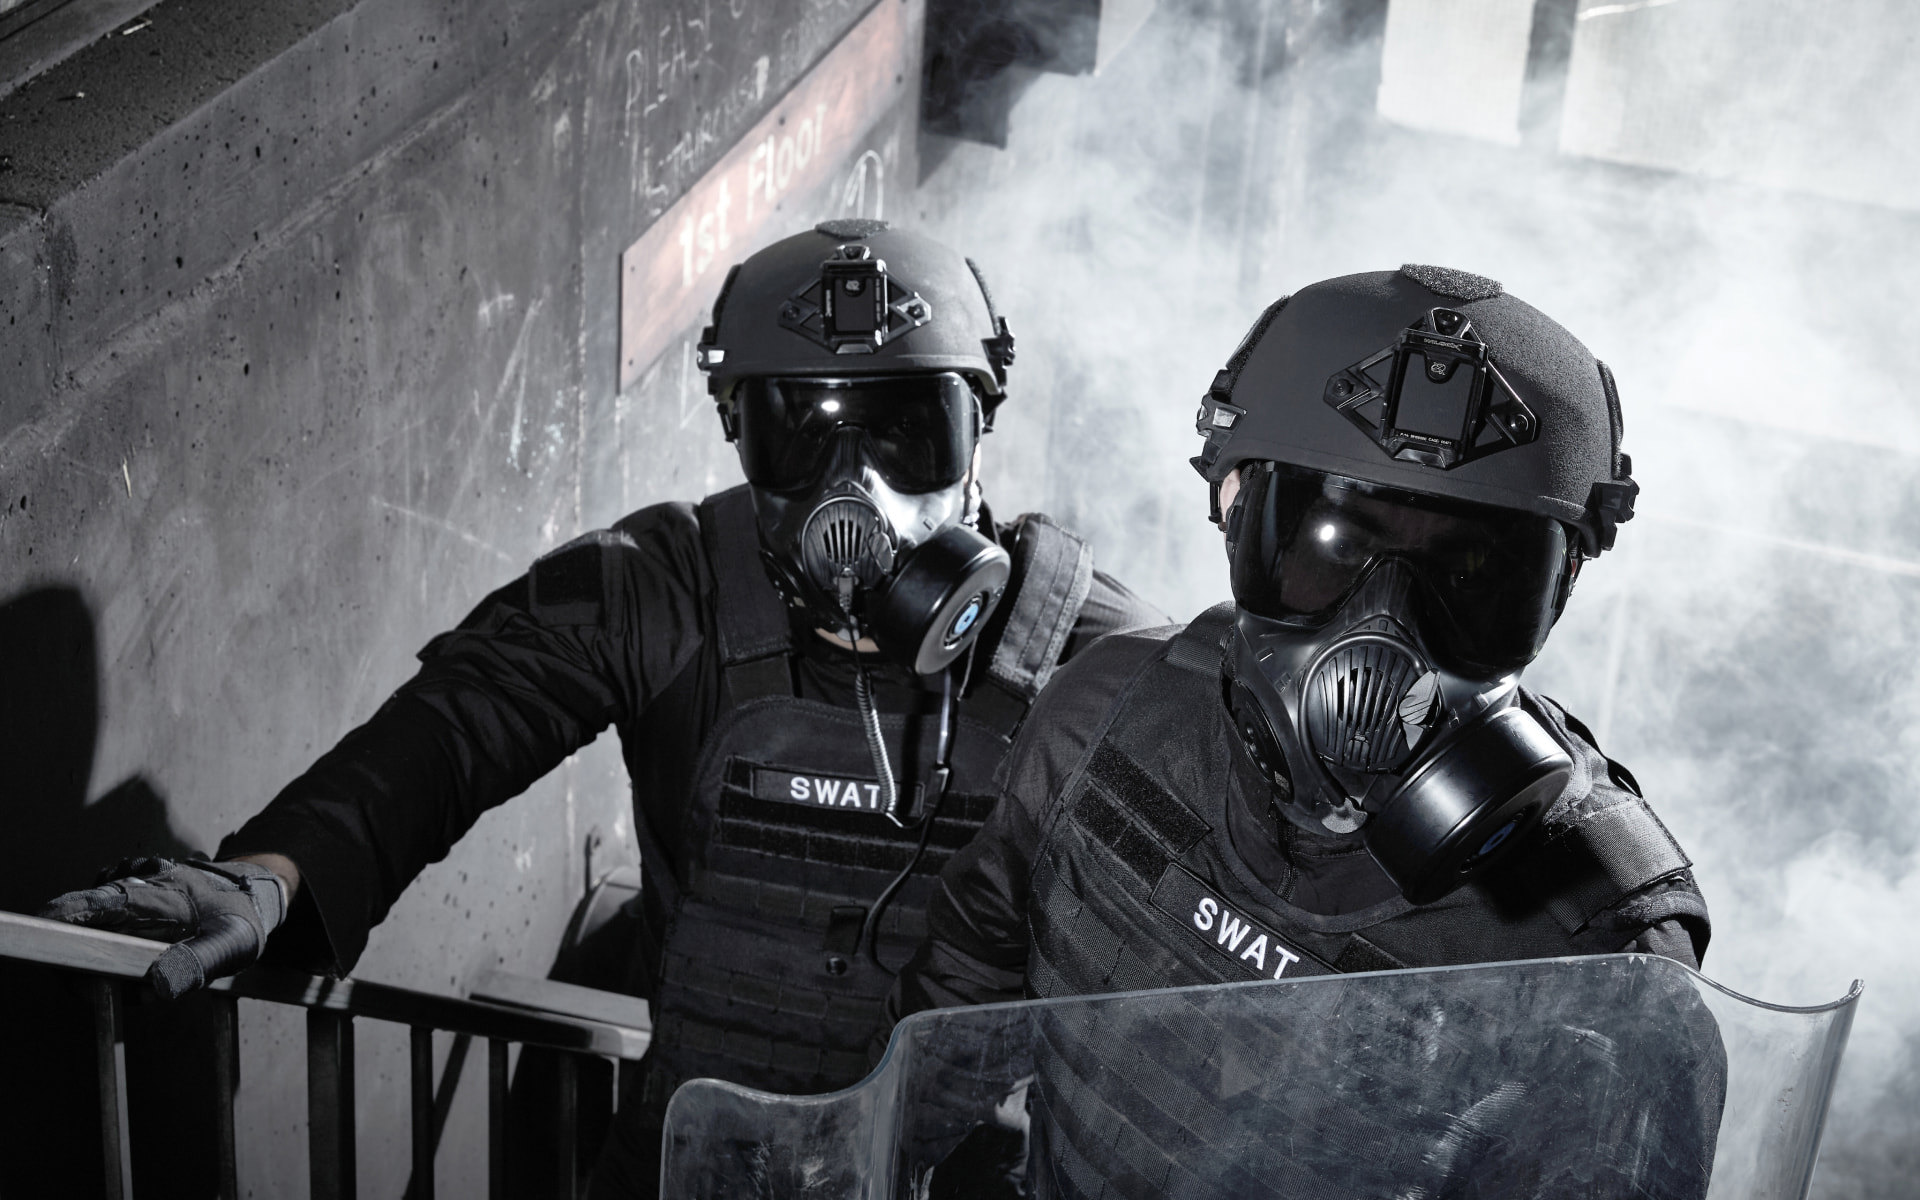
(1136, 885)
(783, 844)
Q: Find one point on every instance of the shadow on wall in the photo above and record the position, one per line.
(55, 841)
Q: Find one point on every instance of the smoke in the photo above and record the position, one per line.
(1746, 262)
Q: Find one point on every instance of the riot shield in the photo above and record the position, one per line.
(1616, 1076)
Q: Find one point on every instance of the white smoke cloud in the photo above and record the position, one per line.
(1752, 650)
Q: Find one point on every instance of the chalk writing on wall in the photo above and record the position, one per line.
(668, 277)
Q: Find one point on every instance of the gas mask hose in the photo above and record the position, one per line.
(870, 930)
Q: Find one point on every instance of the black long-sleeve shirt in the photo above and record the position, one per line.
(536, 671)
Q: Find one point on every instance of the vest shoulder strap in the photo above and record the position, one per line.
(1201, 646)
(1052, 575)
(1053, 572)
(1606, 856)
(749, 617)
(1602, 848)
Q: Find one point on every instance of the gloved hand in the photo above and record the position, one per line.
(218, 914)
(990, 1163)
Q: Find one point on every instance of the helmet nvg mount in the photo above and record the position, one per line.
(856, 367)
(850, 298)
(1432, 380)
(1388, 424)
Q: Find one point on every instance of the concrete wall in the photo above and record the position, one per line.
(308, 338)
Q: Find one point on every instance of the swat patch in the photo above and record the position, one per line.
(1226, 930)
(810, 789)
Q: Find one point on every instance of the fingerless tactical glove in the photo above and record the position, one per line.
(217, 914)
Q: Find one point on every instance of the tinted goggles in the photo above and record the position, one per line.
(1491, 580)
(920, 429)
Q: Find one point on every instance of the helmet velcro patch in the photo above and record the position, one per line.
(1458, 285)
(851, 229)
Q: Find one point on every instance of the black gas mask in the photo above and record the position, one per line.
(1374, 670)
(860, 485)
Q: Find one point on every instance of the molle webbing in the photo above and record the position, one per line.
(1133, 844)
(749, 616)
(1125, 808)
(764, 852)
(1151, 831)
(751, 1003)
(1137, 863)
(763, 982)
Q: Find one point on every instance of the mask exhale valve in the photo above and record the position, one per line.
(1436, 791)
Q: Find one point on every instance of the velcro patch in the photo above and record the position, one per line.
(1164, 813)
(1253, 947)
(1359, 954)
(569, 585)
(1103, 819)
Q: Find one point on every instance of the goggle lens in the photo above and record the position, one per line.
(920, 428)
(1490, 577)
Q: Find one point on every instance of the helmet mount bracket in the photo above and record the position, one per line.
(854, 307)
(1434, 397)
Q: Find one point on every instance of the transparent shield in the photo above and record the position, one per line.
(1622, 1075)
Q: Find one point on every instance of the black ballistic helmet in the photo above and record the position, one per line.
(852, 298)
(1431, 380)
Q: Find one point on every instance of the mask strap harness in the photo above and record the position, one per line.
(936, 786)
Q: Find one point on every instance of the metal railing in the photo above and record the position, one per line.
(531, 1012)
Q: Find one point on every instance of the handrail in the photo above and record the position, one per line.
(561, 999)
(404, 1006)
(121, 957)
(332, 1004)
(98, 952)
(75, 947)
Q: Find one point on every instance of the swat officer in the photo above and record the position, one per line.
(814, 677)
(1340, 770)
